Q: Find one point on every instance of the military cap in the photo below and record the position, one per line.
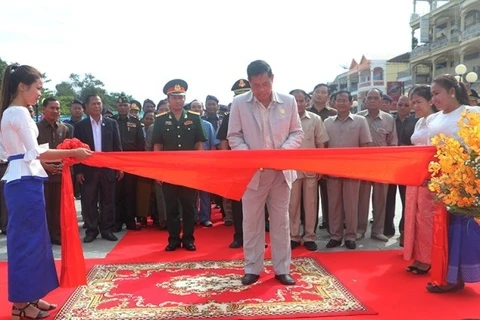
(176, 87)
(135, 105)
(241, 86)
(122, 99)
(78, 101)
(148, 101)
(210, 97)
(108, 111)
(387, 97)
(223, 108)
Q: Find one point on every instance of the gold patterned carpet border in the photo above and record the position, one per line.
(207, 290)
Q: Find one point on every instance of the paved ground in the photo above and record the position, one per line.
(100, 248)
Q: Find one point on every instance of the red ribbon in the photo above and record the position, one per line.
(228, 173)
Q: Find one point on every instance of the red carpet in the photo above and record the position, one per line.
(376, 278)
(207, 289)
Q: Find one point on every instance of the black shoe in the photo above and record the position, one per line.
(4, 232)
(162, 226)
(142, 221)
(134, 228)
(267, 226)
(228, 223)
(56, 242)
(285, 279)
(250, 278)
(117, 228)
(172, 247)
(236, 244)
(84, 226)
(189, 247)
(333, 243)
(89, 238)
(350, 244)
(294, 244)
(109, 236)
(310, 245)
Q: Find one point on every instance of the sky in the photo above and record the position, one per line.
(138, 46)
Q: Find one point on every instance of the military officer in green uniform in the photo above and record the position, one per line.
(178, 130)
(132, 138)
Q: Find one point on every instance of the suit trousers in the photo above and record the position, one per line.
(205, 206)
(144, 192)
(52, 192)
(161, 212)
(304, 191)
(126, 200)
(99, 183)
(237, 215)
(187, 198)
(273, 191)
(227, 207)
(379, 200)
(343, 207)
(390, 208)
(324, 196)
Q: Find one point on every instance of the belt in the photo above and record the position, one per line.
(16, 157)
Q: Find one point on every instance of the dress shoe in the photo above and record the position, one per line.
(236, 244)
(379, 237)
(89, 238)
(109, 236)
(333, 243)
(310, 245)
(172, 247)
(207, 224)
(56, 242)
(294, 244)
(142, 221)
(285, 279)
(4, 232)
(189, 247)
(250, 278)
(350, 244)
(134, 228)
(228, 223)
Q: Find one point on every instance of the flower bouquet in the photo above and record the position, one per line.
(455, 175)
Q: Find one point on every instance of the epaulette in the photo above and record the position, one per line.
(160, 114)
(193, 112)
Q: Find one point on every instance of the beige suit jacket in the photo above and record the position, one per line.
(245, 127)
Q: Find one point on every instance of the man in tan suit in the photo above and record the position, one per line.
(263, 119)
(305, 188)
(384, 133)
(345, 130)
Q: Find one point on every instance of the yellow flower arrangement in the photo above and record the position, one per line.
(455, 175)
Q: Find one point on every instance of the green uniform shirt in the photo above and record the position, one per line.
(178, 135)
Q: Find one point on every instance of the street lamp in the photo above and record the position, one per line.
(471, 77)
(460, 70)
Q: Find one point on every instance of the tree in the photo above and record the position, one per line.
(3, 66)
(65, 88)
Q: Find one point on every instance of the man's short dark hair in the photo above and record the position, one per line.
(46, 101)
(344, 92)
(257, 68)
(322, 85)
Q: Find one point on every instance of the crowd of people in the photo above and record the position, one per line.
(287, 203)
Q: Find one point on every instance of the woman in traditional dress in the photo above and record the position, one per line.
(31, 268)
(451, 98)
(419, 200)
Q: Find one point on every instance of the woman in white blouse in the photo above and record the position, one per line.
(31, 268)
(419, 200)
(451, 98)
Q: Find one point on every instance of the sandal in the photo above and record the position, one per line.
(420, 271)
(438, 289)
(411, 268)
(49, 307)
(20, 313)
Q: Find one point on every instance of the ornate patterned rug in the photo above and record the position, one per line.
(207, 290)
